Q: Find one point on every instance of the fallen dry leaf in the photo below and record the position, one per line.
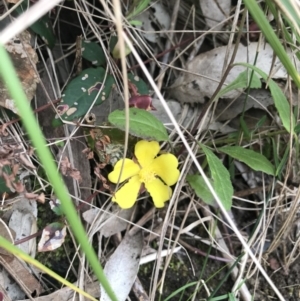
(66, 293)
(26, 162)
(23, 224)
(215, 12)
(21, 274)
(157, 15)
(22, 55)
(67, 170)
(89, 153)
(34, 196)
(111, 222)
(18, 186)
(41, 198)
(9, 235)
(97, 171)
(53, 237)
(125, 258)
(204, 72)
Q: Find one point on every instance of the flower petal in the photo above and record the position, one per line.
(130, 169)
(159, 192)
(165, 166)
(128, 193)
(145, 151)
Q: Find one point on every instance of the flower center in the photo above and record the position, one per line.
(146, 175)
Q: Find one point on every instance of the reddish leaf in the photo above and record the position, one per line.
(143, 102)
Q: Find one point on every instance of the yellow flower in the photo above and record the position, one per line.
(156, 173)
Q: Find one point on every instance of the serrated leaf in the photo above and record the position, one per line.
(81, 92)
(140, 86)
(242, 82)
(280, 101)
(220, 176)
(42, 27)
(142, 124)
(251, 158)
(200, 188)
(92, 52)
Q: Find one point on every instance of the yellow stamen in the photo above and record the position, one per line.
(146, 175)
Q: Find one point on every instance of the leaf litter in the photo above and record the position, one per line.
(195, 84)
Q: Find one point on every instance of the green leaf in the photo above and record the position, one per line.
(251, 158)
(3, 187)
(142, 124)
(281, 103)
(261, 122)
(114, 47)
(220, 176)
(289, 33)
(231, 297)
(92, 52)
(137, 7)
(108, 141)
(112, 43)
(270, 34)
(242, 82)
(10, 77)
(200, 188)
(297, 128)
(244, 127)
(42, 27)
(138, 84)
(135, 23)
(81, 92)
(282, 164)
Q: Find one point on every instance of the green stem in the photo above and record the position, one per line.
(264, 25)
